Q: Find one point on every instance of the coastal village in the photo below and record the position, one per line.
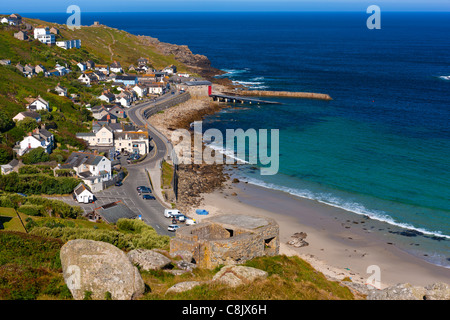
(85, 167)
(112, 133)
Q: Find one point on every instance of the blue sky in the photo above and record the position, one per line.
(23, 6)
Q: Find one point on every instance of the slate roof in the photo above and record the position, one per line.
(114, 211)
(80, 188)
(76, 159)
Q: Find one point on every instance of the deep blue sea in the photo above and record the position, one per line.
(380, 148)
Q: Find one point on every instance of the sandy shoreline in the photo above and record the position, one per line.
(340, 244)
(333, 249)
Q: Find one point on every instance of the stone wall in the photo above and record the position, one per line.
(213, 243)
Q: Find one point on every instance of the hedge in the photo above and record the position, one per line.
(37, 184)
(31, 209)
(141, 236)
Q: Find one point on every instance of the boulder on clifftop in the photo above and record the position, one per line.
(148, 259)
(234, 276)
(99, 268)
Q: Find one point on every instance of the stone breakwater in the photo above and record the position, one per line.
(303, 95)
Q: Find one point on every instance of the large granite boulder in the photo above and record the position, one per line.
(234, 276)
(148, 259)
(406, 291)
(100, 269)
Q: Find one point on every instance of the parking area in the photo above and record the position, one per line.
(151, 211)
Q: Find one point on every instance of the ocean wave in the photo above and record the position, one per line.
(226, 152)
(232, 72)
(331, 200)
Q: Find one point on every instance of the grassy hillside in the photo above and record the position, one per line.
(30, 268)
(106, 45)
(101, 44)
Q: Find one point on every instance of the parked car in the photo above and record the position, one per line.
(173, 227)
(179, 217)
(148, 197)
(169, 213)
(144, 191)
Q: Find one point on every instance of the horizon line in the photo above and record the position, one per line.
(244, 11)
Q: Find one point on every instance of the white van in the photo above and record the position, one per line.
(169, 213)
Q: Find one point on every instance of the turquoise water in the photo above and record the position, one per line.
(380, 148)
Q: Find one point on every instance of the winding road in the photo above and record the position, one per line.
(152, 211)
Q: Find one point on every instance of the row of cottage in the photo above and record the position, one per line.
(94, 169)
(43, 34)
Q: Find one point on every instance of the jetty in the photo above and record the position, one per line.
(239, 99)
(287, 94)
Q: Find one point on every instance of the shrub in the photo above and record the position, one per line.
(6, 154)
(31, 209)
(137, 235)
(35, 156)
(29, 170)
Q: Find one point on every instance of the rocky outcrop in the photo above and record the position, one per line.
(182, 53)
(234, 276)
(406, 291)
(99, 268)
(298, 240)
(149, 259)
(195, 179)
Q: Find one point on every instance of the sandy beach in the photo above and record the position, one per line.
(340, 243)
(333, 249)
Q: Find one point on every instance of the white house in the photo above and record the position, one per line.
(132, 141)
(62, 70)
(37, 138)
(82, 194)
(156, 88)
(61, 91)
(13, 20)
(116, 67)
(107, 97)
(39, 104)
(69, 44)
(85, 79)
(170, 69)
(140, 90)
(102, 138)
(92, 168)
(82, 66)
(44, 35)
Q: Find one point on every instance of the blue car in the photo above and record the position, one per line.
(148, 197)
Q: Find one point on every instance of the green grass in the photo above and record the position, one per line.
(167, 175)
(9, 220)
(290, 278)
(30, 268)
